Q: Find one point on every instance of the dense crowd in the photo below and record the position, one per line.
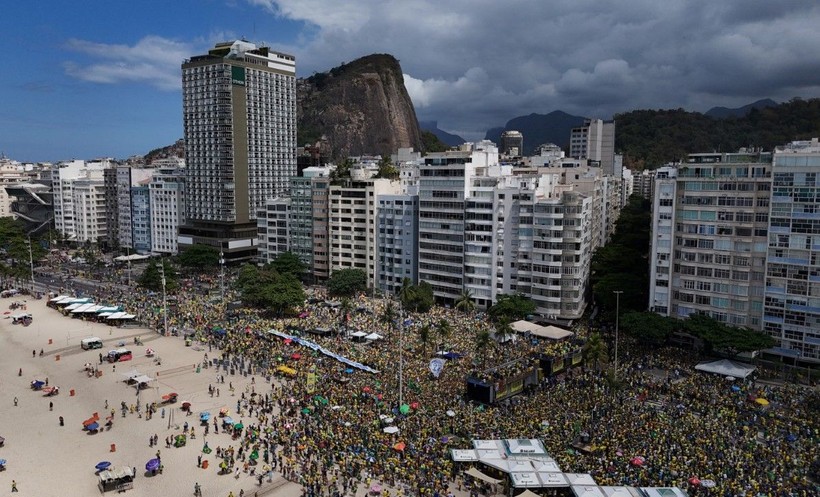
(330, 437)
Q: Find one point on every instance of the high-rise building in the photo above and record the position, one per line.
(239, 116)
(512, 143)
(595, 140)
(167, 208)
(90, 209)
(792, 292)
(709, 237)
(63, 176)
(398, 238)
(133, 208)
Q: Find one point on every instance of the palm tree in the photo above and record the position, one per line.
(503, 329)
(443, 329)
(595, 351)
(406, 290)
(465, 301)
(345, 309)
(424, 335)
(482, 341)
(388, 316)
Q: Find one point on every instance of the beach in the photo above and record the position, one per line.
(46, 459)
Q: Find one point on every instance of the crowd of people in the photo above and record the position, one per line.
(328, 435)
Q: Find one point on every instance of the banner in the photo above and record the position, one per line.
(436, 366)
(310, 382)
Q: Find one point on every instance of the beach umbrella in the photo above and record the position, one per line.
(391, 429)
(254, 455)
(376, 489)
(637, 461)
(93, 426)
(152, 465)
(238, 426)
(735, 388)
(227, 420)
(296, 356)
(694, 481)
(102, 465)
(404, 409)
(2, 462)
(305, 411)
(762, 401)
(348, 370)
(288, 341)
(451, 413)
(399, 446)
(708, 483)
(415, 405)
(204, 416)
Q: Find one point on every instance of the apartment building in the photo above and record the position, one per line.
(595, 140)
(273, 224)
(791, 312)
(166, 195)
(397, 241)
(90, 209)
(134, 208)
(710, 225)
(63, 176)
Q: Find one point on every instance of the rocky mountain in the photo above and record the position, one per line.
(361, 107)
(725, 112)
(175, 150)
(447, 138)
(537, 129)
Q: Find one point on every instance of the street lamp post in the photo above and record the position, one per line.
(31, 262)
(164, 300)
(222, 274)
(617, 320)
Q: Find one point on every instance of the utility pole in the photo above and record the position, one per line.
(401, 358)
(164, 300)
(31, 262)
(222, 274)
(617, 321)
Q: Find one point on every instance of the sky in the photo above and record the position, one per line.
(92, 78)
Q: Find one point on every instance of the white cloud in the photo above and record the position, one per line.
(152, 60)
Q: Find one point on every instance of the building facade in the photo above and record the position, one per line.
(133, 208)
(710, 224)
(397, 241)
(167, 208)
(792, 291)
(595, 140)
(239, 117)
(90, 210)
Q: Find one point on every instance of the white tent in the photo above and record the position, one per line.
(59, 297)
(726, 367)
(358, 334)
(142, 379)
(373, 336)
(131, 375)
(481, 476)
(552, 332)
(72, 307)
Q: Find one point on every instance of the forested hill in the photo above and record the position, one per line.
(651, 138)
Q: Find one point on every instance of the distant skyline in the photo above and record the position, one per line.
(102, 79)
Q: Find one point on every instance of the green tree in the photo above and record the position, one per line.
(388, 315)
(431, 143)
(482, 341)
(424, 336)
(511, 307)
(465, 301)
(594, 351)
(387, 169)
(418, 298)
(647, 328)
(289, 263)
(199, 257)
(503, 329)
(151, 278)
(443, 329)
(265, 288)
(345, 309)
(342, 172)
(347, 282)
(728, 339)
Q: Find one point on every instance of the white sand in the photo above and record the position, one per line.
(48, 460)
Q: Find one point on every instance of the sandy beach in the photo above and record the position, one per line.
(46, 459)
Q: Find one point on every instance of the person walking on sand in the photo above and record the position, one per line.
(15, 402)
(14, 486)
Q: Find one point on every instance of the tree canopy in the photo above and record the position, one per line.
(151, 278)
(347, 282)
(417, 298)
(14, 244)
(266, 288)
(289, 263)
(511, 307)
(647, 328)
(387, 169)
(199, 256)
(721, 337)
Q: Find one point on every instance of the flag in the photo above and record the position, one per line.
(436, 365)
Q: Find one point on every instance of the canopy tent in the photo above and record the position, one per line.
(81, 300)
(552, 332)
(358, 334)
(580, 479)
(373, 336)
(81, 308)
(525, 479)
(92, 308)
(117, 473)
(131, 375)
(132, 257)
(63, 300)
(587, 491)
(120, 315)
(20, 315)
(527, 493)
(725, 367)
(109, 309)
(104, 314)
(481, 476)
(59, 297)
(71, 307)
(463, 455)
(663, 492)
(142, 379)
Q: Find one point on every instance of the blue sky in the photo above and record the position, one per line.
(102, 78)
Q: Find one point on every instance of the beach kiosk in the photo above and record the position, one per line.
(120, 479)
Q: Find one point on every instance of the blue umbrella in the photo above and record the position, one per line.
(348, 370)
(735, 388)
(791, 438)
(93, 426)
(102, 465)
(2, 462)
(152, 465)
(204, 416)
(227, 420)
